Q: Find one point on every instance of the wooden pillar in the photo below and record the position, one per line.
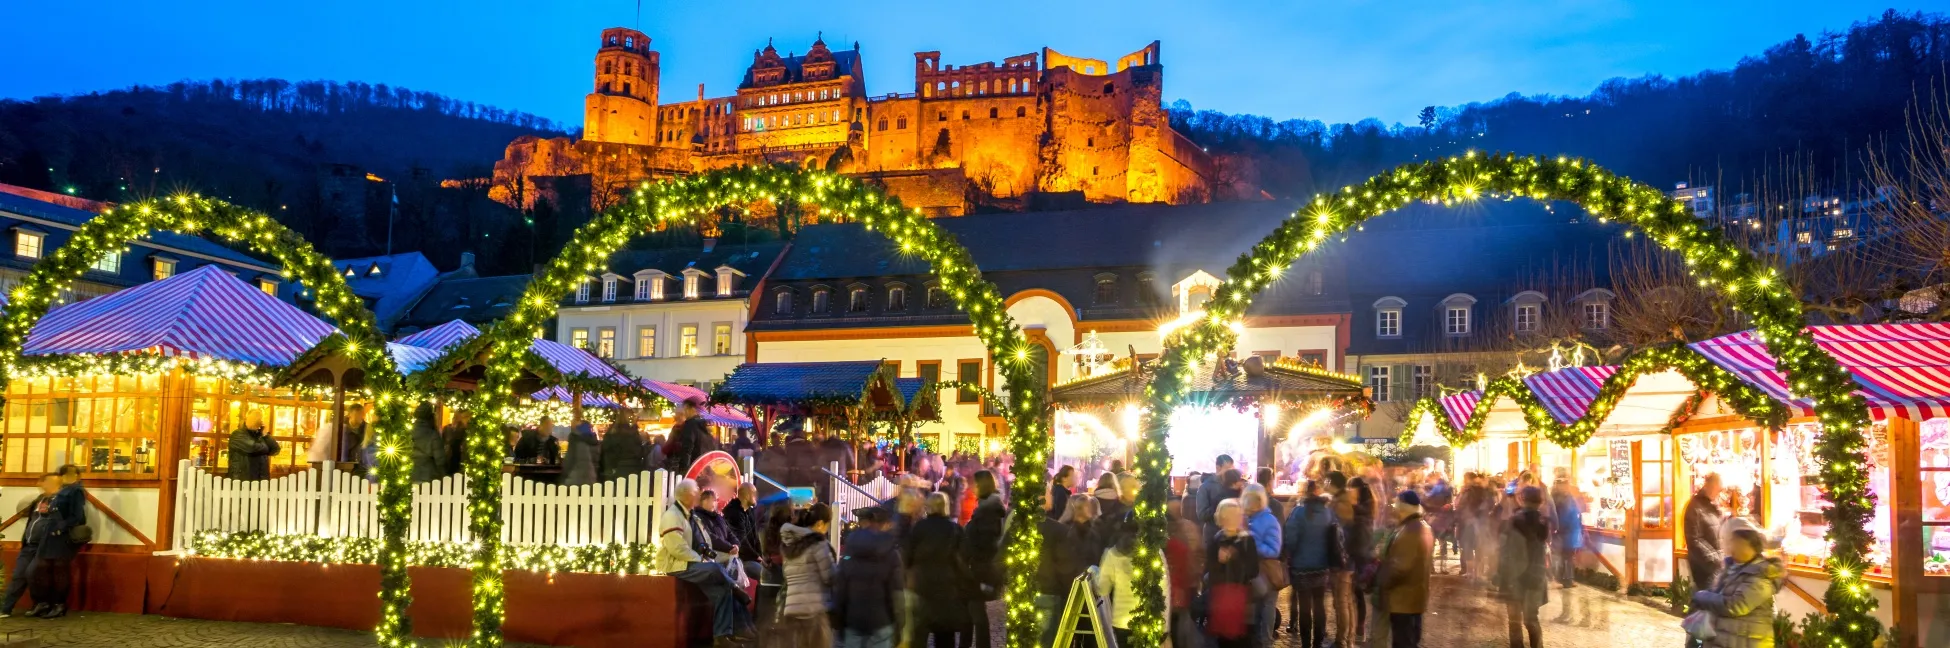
(1906, 515)
(338, 419)
(1634, 515)
(173, 435)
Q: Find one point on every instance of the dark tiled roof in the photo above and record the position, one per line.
(791, 382)
(1278, 381)
(474, 300)
(751, 259)
(68, 215)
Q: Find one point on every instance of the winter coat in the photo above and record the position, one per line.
(1521, 574)
(429, 453)
(1742, 603)
(982, 541)
(866, 590)
(1059, 501)
(716, 533)
(49, 519)
(250, 454)
(1312, 539)
(579, 463)
(681, 541)
(1210, 494)
(743, 523)
(1407, 561)
(1244, 566)
(1266, 532)
(1059, 562)
(1109, 508)
(808, 571)
(529, 449)
(456, 438)
(692, 439)
(350, 440)
(933, 553)
(1703, 551)
(623, 451)
(1357, 534)
(1114, 584)
(1570, 521)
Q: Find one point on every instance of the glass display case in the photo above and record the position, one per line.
(1933, 447)
(1604, 475)
(1794, 517)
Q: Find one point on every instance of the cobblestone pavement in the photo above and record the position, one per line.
(1464, 615)
(103, 630)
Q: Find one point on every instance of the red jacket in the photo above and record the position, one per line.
(1184, 583)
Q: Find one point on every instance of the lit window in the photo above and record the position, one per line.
(727, 282)
(896, 298)
(1424, 380)
(690, 286)
(721, 339)
(856, 300)
(687, 340)
(164, 269)
(374, 271)
(1844, 233)
(1804, 237)
(1597, 316)
(1378, 380)
(110, 263)
(646, 341)
(1526, 318)
(609, 289)
(268, 286)
(606, 342)
(582, 290)
(27, 244)
(579, 338)
(1455, 320)
(1388, 323)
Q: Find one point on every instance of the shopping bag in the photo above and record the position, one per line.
(1698, 625)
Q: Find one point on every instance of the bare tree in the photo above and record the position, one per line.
(1915, 184)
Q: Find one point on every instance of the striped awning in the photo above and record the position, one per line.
(412, 358)
(201, 313)
(1567, 393)
(439, 338)
(1460, 406)
(571, 361)
(561, 394)
(1902, 370)
(715, 414)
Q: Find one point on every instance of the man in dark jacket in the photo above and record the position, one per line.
(45, 553)
(693, 438)
(429, 451)
(867, 585)
(455, 434)
(1313, 547)
(981, 541)
(352, 435)
(1057, 566)
(741, 515)
(251, 449)
(1213, 491)
(1704, 556)
(940, 577)
(623, 449)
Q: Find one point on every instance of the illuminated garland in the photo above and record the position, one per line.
(141, 362)
(1716, 262)
(611, 558)
(1745, 399)
(114, 229)
(831, 197)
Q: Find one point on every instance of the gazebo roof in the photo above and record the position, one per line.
(201, 313)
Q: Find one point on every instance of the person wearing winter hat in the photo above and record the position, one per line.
(1404, 575)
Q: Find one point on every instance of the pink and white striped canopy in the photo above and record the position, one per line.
(440, 337)
(564, 358)
(1901, 369)
(715, 414)
(560, 394)
(1567, 393)
(201, 313)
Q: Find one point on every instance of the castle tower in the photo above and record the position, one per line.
(623, 106)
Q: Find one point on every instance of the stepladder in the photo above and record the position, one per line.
(1083, 616)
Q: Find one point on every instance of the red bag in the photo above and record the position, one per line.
(1229, 607)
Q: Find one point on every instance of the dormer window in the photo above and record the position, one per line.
(728, 280)
(1527, 311)
(1388, 317)
(373, 271)
(110, 263)
(1526, 318)
(582, 290)
(27, 243)
(1594, 309)
(937, 298)
(856, 299)
(163, 269)
(1106, 289)
(897, 297)
(350, 273)
(782, 301)
(609, 288)
(1147, 289)
(693, 280)
(822, 300)
(650, 285)
(1456, 314)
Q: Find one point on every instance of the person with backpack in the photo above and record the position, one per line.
(1313, 548)
(1522, 578)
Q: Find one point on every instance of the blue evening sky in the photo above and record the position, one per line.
(1333, 60)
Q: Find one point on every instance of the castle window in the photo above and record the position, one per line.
(901, 123)
(1093, 170)
(993, 112)
(1110, 88)
(629, 68)
(1021, 111)
(1012, 85)
(883, 124)
(941, 115)
(1106, 289)
(940, 86)
(964, 114)
(609, 67)
(956, 87)
(626, 87)
(1089, 141)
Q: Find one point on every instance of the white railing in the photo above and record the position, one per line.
(335, 503)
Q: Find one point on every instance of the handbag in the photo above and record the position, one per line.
(1275, 574)
(1698, 625)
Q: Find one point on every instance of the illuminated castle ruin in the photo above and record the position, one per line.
(1037, 123)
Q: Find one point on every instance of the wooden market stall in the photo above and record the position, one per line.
(126, 385)
(840, 402)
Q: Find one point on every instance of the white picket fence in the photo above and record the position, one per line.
(335, 503)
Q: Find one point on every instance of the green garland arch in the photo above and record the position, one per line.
(1746, 400)
(682, 200)
(359, 336)
(1716, 262)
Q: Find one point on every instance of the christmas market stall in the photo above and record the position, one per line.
(840, 402)
(126, 385)
(1249, 410)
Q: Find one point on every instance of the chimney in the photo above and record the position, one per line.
(700, 93)
(710, 242)
(466, 261)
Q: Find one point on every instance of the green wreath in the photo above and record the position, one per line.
(652, 207)
(1716, 262)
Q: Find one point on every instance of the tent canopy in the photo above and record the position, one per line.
(203, 313)
(1902, 369)
(714, 414)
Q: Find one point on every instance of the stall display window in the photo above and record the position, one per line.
(108, 425)
(1605, 478)
(1934, 455)
(1734, 455)
(1794, 515)
(1655, 484)
(294, 419)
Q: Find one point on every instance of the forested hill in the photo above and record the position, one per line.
(257, 142)
(1823, 98)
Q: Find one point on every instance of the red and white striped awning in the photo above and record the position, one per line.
(1567, 393)
(1902, 370)
(1460, 406)
(564, 358)
(715, 414)
(201, 313)
(439, 338)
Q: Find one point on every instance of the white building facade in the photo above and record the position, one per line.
(676, 316)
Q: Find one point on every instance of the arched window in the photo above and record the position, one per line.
(782, 302)
(1021, 111)
(821, 301)
(901, 122)
(897, 298)
(937, 298)
(609, 67)
(993, 112)
(1106, 289)
(883, 123)
(1012, 85)
(856, 300)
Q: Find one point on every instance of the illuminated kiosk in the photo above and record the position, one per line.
(1241, 409)
(836, 400)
